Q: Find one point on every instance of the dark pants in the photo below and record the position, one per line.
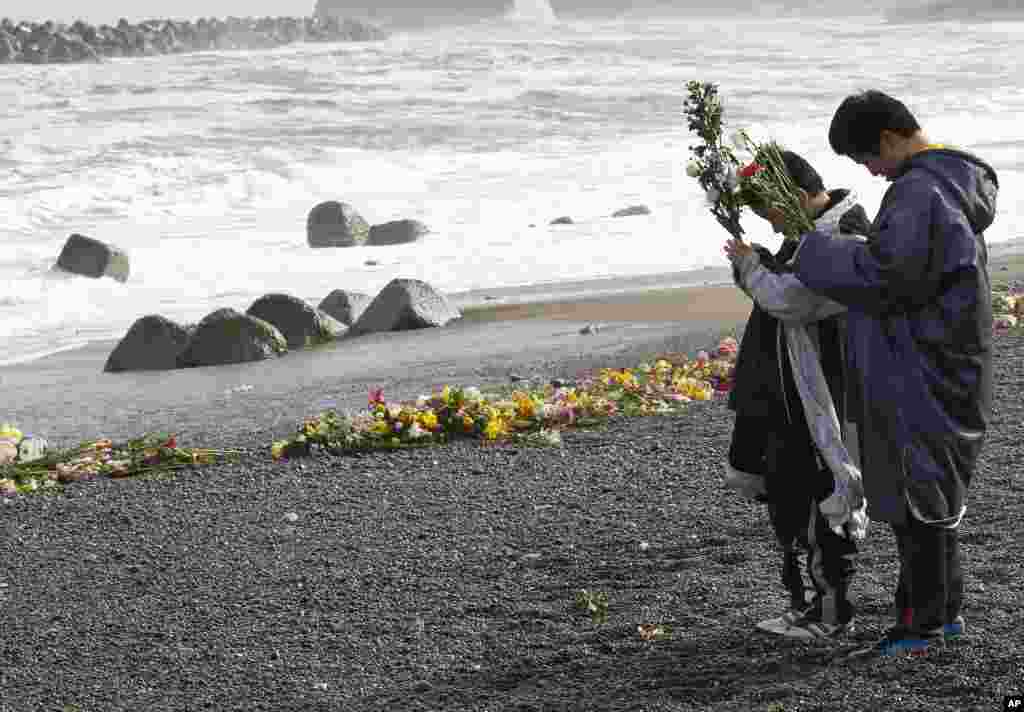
(931, 582)
(796, 481)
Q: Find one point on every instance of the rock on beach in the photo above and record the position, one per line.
(345, 306)
(397, 232)
(228, 336)
(92, 258)
(153, 342)
(301, 324)
(632, 210)
(336, 224)
(405, 304)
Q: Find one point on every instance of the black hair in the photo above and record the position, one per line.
(802, 173)
(859, 121)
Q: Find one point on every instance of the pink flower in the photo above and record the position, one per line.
(376, 396)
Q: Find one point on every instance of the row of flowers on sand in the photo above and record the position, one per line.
(528, 415)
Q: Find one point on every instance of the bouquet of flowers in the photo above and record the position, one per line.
(714, 166)
(763, 182)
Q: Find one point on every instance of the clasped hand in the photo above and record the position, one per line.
(736, 250)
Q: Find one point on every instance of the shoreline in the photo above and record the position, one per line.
(481, 300)
(66, 397)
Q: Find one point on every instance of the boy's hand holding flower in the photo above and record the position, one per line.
(736, 250)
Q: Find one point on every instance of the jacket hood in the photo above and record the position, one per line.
(969, 178)
(828, 221)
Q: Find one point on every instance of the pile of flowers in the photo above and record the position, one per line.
(1008, 308)
(147, 454)
(730, 185)
(533, 416)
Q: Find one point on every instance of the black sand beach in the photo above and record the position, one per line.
(445, 578)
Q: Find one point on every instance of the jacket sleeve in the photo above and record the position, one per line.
(782, 295)
(891, 270)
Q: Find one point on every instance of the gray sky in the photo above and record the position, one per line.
(108, 11)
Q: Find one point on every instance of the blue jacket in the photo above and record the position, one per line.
(919, 333)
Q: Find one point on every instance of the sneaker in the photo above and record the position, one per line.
(899, 641)
(812, 628)
(779, 626)
(953, 631)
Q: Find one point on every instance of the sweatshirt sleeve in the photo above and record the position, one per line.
(885, 273)
(782, 294)
(785, 297)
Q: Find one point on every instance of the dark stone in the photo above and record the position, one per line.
(405, 304)
(92, 258)
(397, 232)
(345, 306)
(335, 224)
(632, 210)
(227, 336)
(152, 343)
(301, 324)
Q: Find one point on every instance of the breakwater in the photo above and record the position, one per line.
(51, 42)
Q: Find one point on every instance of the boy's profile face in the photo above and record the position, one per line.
(888, 159)
(876, 165)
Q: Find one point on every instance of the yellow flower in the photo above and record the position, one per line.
(446, 394)
(467, 423)
(495, 428)
(428, 420)
(525, 407)
(380, 427)
(9, 432)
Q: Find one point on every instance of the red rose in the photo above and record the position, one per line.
(749, 170)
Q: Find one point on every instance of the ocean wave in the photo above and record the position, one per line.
(289, 103)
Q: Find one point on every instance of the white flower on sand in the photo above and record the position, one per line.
(549, 437)
(693, 169)
(472, 394)
(422, 401)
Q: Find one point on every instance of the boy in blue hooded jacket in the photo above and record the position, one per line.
(919, 345)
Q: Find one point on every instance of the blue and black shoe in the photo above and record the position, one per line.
(955, 630)
(900, 641)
